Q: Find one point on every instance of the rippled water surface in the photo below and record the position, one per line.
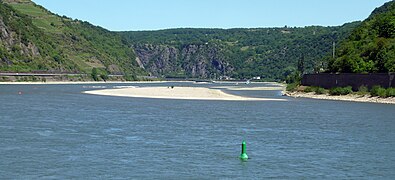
(55, 131)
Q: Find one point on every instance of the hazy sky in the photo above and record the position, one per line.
(163, 14)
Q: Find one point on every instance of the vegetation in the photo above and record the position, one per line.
(375, 91)
(363, 90)
(378, 91)
(271, 53)
(316, 90)
(292, 87)
(391, 92)
(369, 49)
(371, 46)
(46, 42)
(340, 91)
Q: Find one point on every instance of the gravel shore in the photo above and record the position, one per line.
(350, 97)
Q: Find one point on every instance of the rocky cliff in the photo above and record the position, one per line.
(203, 61)
(10, 41)
(271, 53)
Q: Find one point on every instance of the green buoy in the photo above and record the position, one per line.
(243, 155)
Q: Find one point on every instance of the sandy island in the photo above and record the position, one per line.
(186, 93)
(350, 97)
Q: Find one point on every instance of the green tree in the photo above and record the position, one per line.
(385, 26)
(95, 74)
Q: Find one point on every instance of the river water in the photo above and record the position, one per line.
(57, 132)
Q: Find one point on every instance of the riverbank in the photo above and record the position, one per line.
(185, 93)
(350, 97)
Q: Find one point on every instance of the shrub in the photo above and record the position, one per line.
(95, 74)
(310, 89)
(320, 90)
(335, 91)
(390, 92)
(382, 93)
(378, 91)
(292, 87)
(316, 90)
(340, 91)
(363, 90)
(129, 77)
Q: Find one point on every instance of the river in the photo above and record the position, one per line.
(57, 132)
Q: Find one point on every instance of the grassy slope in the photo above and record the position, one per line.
(79, 45)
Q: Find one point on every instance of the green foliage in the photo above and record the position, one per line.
(316, 90)
(390, 92)
(378, 91)
(295, 77)
(310, 89)
(382, 92)
(320, 90)
(129, 77)
(363, 90)
(384, 26)
(63, 44)
(336, 91)
(271, 53)
(371, 46)
(98, 74)
(95, 74)
(104, 76)
(292, 87)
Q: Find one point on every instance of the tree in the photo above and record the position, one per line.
(301, 67)
(95, 74)
(384, 26)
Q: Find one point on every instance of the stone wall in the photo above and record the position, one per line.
(328, 81)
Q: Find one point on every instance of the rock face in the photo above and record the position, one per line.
(13, 43)
(197, 61)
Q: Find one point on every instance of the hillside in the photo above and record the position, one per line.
(34, 39)
(371, 46)
(271, 53)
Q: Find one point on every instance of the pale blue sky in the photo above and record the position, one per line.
(120, 15)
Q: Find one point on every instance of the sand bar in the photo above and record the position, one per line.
(186, 93)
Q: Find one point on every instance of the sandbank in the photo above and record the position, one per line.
(186, 93)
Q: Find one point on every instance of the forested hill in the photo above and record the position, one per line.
(34, 39)
(371, 46)
(271, 53)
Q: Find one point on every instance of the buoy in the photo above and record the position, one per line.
(243, 155)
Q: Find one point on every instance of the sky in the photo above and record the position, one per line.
(125, 15)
